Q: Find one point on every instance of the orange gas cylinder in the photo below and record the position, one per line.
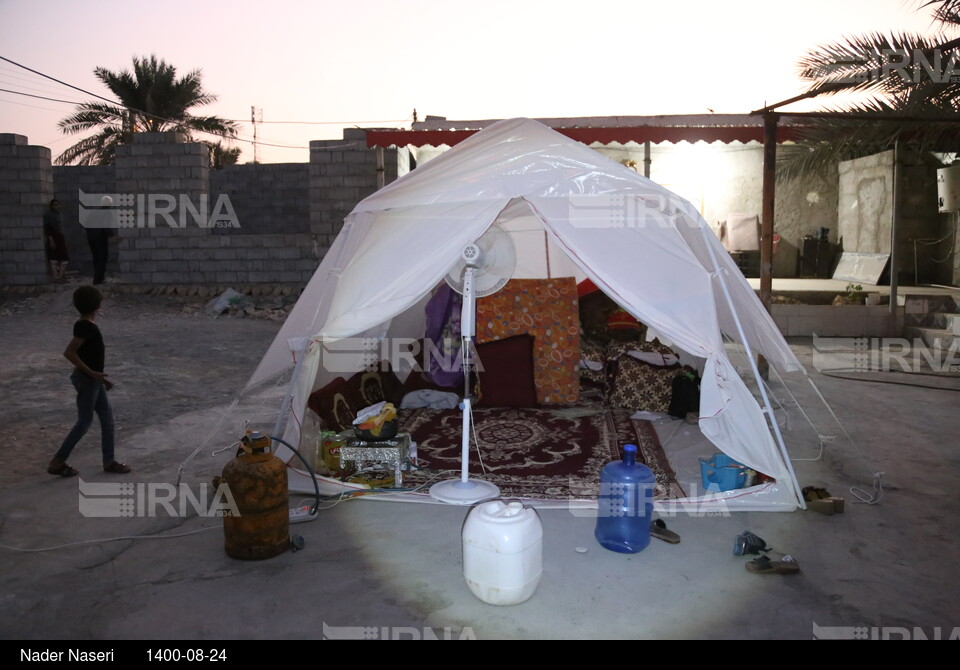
(258, 484)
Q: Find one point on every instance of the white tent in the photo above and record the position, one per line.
(571, 211)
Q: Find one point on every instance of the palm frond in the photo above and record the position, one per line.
(947, 13)
(152, 98)
(879, 63)
(98, 149)
(878, 126)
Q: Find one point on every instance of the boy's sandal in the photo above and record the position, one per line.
(118, 468)
(63, 471)
(765, 566)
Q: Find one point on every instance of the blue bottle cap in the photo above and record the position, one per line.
(629, 447)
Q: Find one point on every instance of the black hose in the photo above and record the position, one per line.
(313, 477)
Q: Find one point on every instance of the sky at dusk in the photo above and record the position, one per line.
(370, 63)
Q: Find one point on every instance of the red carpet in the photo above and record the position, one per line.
(551, 454)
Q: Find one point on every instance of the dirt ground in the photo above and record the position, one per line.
(165, 354)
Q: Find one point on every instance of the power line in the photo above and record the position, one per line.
(42, 97)
(325, 123)
(76, 88)
(23, 104)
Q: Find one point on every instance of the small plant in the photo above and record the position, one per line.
(855, 295)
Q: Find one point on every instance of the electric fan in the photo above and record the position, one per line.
(484, 267)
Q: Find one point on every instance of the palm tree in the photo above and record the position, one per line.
(221, 156)
(912, 88)
(151, 98)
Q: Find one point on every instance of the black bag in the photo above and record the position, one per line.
(686, 395)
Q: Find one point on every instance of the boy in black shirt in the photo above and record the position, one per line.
(86, 352)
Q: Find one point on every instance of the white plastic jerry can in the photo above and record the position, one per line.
(502, 552)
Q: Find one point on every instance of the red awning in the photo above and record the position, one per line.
(603, 135)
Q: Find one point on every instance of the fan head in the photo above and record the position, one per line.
(493, 258)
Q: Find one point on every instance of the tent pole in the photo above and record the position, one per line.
(768, 409)
(288, 397)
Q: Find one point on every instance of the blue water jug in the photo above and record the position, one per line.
(625, 504)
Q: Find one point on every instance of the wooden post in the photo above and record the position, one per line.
(767, 220)
(770, 121)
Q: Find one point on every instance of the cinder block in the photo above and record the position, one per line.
(225, 254)
(282, 253)
(13, 139)
(30, 175)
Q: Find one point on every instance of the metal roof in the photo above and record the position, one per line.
(724, 128)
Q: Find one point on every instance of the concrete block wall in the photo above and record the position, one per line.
(342, 173)
(269, 198)
(26, 188)
(160, 164)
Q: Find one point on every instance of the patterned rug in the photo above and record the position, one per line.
(547, 454)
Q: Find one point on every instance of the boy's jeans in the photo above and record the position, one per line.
(91, 397)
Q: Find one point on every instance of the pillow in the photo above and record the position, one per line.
(332, 405)
(622, 326)
(507, 376)
(593, 363)
(641, 386)
(372, 386)
(439, 368)
(616, 350)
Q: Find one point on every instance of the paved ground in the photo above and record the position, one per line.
(384, 569)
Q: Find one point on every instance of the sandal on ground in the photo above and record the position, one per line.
(63, 470)
(765, 566)
(748, 543)
(659, 530)
(118, 468)
(820, 500)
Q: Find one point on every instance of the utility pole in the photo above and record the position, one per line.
(256, 115)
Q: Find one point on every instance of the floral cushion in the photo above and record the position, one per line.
(548, 310)
(641, 386)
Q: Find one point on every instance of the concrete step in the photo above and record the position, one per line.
(928, 304)
(936, 320)
(937, 339)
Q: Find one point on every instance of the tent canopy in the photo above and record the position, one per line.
(571, 212)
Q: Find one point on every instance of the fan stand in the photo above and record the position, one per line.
(465, 491)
